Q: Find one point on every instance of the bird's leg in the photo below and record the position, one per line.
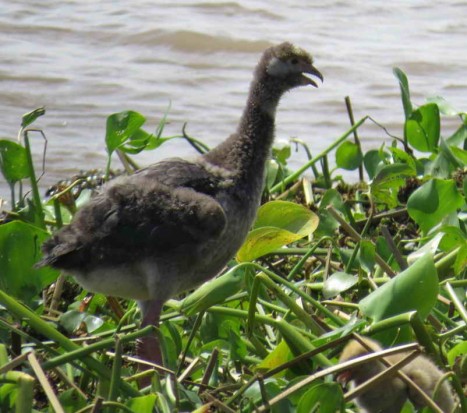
(148, 347)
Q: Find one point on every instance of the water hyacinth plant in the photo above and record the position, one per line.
(325, 259)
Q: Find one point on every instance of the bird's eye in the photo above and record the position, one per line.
(294, 61)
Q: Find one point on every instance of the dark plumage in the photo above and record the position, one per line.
(175, 224)
(390, 395)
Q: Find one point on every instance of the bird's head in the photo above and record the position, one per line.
(288, 66)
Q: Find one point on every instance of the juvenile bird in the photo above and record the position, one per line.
(390, 395)
(175, 224)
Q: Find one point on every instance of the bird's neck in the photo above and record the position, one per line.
(245, 153)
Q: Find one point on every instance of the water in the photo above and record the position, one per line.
(84, 60)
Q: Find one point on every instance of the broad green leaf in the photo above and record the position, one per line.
(282, 153)
(387, 182)
(121, 127)
(143, 404)
(278, 223)
(262, 241)
(446, 161)
(457, 351)
(461, 259)
(337, 283)
(460, 154)
(72, 320)
(279, 355)
(71, 400)
(459, 137)
(322, 398)
(238, 349)
(327, 223)
(30, 117)
(405, 91)
(286, 215)
(348, 156)
(434, 200)
(401, 156)
(452, 237)
(416, 288)
(215, 291)
(13, 161)
(372, 162)
(19, 251)
(366, 255)
(422, 129)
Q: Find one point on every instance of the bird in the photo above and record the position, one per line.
(390, 395)
(175, 224)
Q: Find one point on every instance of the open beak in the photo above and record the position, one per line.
(310, 69)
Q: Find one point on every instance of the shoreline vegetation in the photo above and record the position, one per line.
(325, 262)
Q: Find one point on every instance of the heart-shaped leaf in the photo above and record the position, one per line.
(435, 199)
(416, 288)
(13, 161)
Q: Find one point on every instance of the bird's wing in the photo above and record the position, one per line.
(152, 212)
(177, 172)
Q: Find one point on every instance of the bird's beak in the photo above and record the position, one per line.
(309, 68)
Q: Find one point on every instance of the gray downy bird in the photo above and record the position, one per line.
(390, 395)
(175, 224)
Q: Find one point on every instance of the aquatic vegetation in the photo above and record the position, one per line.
(385, 257)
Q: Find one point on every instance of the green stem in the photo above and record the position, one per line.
(35, 322)
(39, 213)
(116, 370)
(302, 169)
(25, 383)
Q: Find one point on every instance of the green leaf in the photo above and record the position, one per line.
(328, 396)
(278, 223)
(337, 283)
(387, 182)
(405, 91)
(30, 117)
(459, 137)
(262, 241)
(272, 170)
(121, 127)
(143, 404)
(348, 156)
(457, 351)
(13, 161)
(416, 288)
(460, 155)
(71, 400)
(422, 128)
(215, 291)
(137, 142)
(278, 356)
(281, 154)
(401, 156)
(19, 251)
(327, 223)
(434, 200)
(71, 320)
(372, 162)
(366, 255)
(286, 215)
